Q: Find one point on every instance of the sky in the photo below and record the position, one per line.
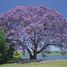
(59, 5)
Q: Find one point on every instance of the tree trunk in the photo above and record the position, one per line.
(33, 57)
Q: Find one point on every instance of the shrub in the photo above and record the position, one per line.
(3, 47)
(17, 55)
(6, 50)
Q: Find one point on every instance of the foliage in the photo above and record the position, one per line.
(3, 46)
(10, 52)
(17, 54)
(6, 50)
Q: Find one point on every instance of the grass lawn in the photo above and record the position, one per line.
(62, 63)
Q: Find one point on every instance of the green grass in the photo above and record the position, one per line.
(62, 63)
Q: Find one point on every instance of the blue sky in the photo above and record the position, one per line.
(59, 5)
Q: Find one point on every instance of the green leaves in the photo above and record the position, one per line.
(3, 46)
(2, 41)
(2, 37)
(17, 54)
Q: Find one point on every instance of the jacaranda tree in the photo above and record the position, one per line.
(35, 28)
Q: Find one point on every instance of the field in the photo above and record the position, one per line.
(55, 53)
(58, 63)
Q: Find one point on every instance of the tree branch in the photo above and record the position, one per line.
(43, 48)
(24, 46)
